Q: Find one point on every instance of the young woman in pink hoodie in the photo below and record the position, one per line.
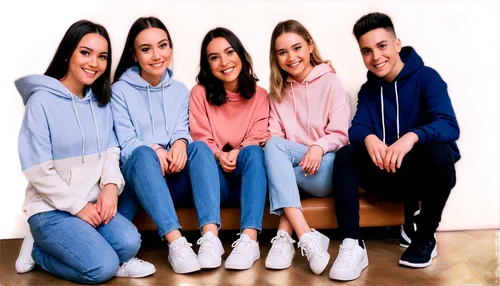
(310, 116)
(230, 113)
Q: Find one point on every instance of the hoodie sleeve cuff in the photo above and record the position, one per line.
(422, 138)
(181, 136)
(322, 144)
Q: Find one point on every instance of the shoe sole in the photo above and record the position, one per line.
(138, 276)
(420, 265)
(364, 264)
(279, 267)
(194, 269)
(237, 267)
(211, 266)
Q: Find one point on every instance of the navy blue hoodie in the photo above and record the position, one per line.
(416, 101)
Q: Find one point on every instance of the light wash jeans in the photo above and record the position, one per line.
(282, 157)
(246, 187)
(68, 247)
(145, 184)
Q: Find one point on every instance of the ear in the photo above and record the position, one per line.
(311, 46)
(398, 45)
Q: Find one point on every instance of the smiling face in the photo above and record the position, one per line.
(224, 63)
(153, 53)
(380, 50)
(87, 63)
(294, 55)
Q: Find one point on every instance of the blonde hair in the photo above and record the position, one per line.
(278, 75)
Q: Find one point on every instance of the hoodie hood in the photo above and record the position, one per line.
(133, 77)
(29, 85)
(413, 62)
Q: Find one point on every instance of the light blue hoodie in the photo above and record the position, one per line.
(67, 147)
(145, 115)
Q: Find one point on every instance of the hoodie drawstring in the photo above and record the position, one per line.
(79, 126)
(164, 108)
(151, 112)
(96, 129)
(308, 108)
(382, 109)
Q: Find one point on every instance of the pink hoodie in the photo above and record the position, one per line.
(313, 112)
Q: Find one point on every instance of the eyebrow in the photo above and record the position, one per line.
(290, 46)
(381, 42)
(87, 48)
(230, 47)
(147, 45)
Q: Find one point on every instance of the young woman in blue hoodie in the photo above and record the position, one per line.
(69, 155)
(403, 147)
(160, 163)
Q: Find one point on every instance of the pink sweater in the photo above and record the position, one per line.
(313, 112)
(237, 123)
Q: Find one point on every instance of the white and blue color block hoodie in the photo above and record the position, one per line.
(67, 147)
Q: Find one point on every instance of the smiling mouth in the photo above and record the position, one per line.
(294, 64)
(89, 71)
(229, 70)
(380, 65)
(156, 65)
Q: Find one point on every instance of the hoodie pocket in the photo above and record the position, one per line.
(66, 177)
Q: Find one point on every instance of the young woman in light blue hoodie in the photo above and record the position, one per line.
(160, 163)
(69, 155)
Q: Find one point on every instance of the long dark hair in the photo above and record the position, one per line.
(214, 87)
(127, 58)
(59, 66)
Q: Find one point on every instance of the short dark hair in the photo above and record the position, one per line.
(214, 87)
(59, 66)
(370, 22)
(127, 58)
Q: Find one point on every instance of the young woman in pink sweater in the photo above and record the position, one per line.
(310, 115)
(229, 112)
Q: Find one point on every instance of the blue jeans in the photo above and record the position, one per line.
(282, 157)
(145, 184)
(246, 187)
(68, 247)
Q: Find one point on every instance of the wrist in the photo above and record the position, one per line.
(182, 140)
(413, 136)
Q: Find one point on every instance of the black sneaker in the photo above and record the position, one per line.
(419, 254)
(408, 231)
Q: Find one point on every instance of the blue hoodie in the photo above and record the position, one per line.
(416, 101)
(67, 146)
(145, 115)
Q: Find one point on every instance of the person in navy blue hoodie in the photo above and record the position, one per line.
(402, 147)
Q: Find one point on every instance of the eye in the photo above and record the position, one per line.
(103, 57)
(281, 53)
(230, 52)
(366, 52)
(84, 53)
(297, 48)
(213, 58)
(382, 46)
(164, 45)
(145, 50)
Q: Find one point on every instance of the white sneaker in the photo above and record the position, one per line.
(281, 254)
(352, 259)
(25, 262)
(182, 257)
(211, 251)
(246, 251)
(314, 245)
(135, 268)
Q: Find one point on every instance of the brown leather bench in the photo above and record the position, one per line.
(319, 213)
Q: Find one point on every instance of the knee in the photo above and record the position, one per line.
(345, 155)
(104, 269)
(129, 245)
(142, 154)
(198, 146)
(438, 155)
(252, 152)
(273, 144)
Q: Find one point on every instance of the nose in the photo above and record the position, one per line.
(93, 61)
(224, 60)
(376, 55)
(155, 54)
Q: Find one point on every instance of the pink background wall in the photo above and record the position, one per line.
(460, 39)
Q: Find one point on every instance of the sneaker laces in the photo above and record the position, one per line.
(206, 245)
(309, 247)
(346, 255)
(280, 242)
(132, 261)
(241, 246)
(183, 249)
